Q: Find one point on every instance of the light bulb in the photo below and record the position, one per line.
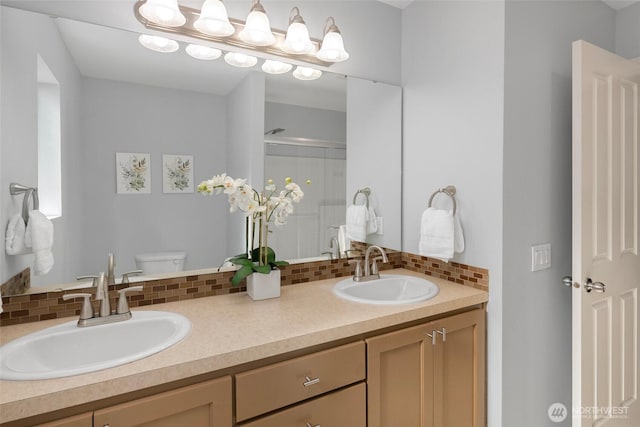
(276, 67)
(163, 12)
(257, 30)
(297, 39)
(214, 20)
(306, 73)
(203, 52)
(240, 60)
(158, 44)
(332, 48)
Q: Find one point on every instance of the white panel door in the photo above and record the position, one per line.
(605, 238)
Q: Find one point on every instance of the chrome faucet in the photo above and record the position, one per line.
(370, 268)
(89, 318)
(334, 245)
(111, 266)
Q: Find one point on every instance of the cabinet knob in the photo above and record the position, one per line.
(310, 381)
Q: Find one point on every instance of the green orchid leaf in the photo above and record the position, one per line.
(279, 263)
(264, 269)
(243, 262)
(244, 271)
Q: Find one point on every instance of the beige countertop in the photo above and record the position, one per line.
(227, 330)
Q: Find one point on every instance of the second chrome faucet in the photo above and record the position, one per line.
(370, 267)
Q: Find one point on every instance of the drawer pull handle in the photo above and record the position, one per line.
(309, 382)
(443, 333)
(312, 425)
(433, 336)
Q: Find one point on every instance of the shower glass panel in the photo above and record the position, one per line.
(313, 222)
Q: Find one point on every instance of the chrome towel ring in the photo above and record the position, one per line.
(450, 191)
(29, 193)
(366, 191)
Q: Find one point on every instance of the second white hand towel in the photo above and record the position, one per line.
(357, 222)
(372, 221)
(437, 234)
(14, 239)
(39, 237)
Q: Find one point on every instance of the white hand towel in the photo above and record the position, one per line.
(343, 240)
(357, 222)
(372, 221)
(39, 237)
(14, 239)
(458, 236)
(437, 234)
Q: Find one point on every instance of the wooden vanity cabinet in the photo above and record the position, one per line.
(83, 420)
(414, 380)
(207, 404)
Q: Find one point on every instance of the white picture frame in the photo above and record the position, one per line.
(133, 173)
(177, 173)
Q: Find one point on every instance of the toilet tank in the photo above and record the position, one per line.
(160, 262)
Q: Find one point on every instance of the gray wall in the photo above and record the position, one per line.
(628, 31)
(122, 117)
(24, 36)
(245, 146)
(305, 122)
(452, 78)
(537, 199)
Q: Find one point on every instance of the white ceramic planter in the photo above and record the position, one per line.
(263, 286)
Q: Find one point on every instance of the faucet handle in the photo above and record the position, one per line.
(123, 305)
(86, 312)
(358, 272)
(328, 253)
(125, 276)
(93, 283)
(374, 264)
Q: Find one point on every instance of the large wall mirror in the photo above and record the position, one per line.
(118, 97)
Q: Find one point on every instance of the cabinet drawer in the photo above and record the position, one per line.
(339, 409)
(265, 389)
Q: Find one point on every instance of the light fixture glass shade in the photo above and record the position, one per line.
(158, 44)
(257, 30)
(332, 48)
(240, 60)
(276, 67)
(163, 12)
(214, 20)
(306, 73)
(297, 40)
(203, 52)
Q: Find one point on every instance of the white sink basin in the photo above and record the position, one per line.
(388, 289)
(66, 349)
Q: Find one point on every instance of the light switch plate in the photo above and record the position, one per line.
(380, 229)
(541, 257)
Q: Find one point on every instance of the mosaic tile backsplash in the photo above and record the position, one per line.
(50, 305)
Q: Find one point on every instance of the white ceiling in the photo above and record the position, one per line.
(615, 4)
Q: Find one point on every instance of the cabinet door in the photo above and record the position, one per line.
(416, 381)
(84, 420)
(399, 379)
(459, 374)
(208, 404)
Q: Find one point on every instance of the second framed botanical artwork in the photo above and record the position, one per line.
(177, 173)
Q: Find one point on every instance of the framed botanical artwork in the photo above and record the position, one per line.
(133, 173)
(177, 173)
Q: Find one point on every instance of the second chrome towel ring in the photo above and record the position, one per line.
(366, 191)
(450, 191)
(29, 193)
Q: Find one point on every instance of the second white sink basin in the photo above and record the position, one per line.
(388, 289)
(66, 349)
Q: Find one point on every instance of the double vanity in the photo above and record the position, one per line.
(311, 357)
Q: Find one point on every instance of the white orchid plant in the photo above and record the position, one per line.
(259, 208)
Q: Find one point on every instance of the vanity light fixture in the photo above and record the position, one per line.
(163, 12)
(257, 30)
(306, 73)
(214, 20)
(332, 48)
(297, 40)
(240, 59)
(276, 67)
(212, 24)
(206, 53)
(158, 44)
